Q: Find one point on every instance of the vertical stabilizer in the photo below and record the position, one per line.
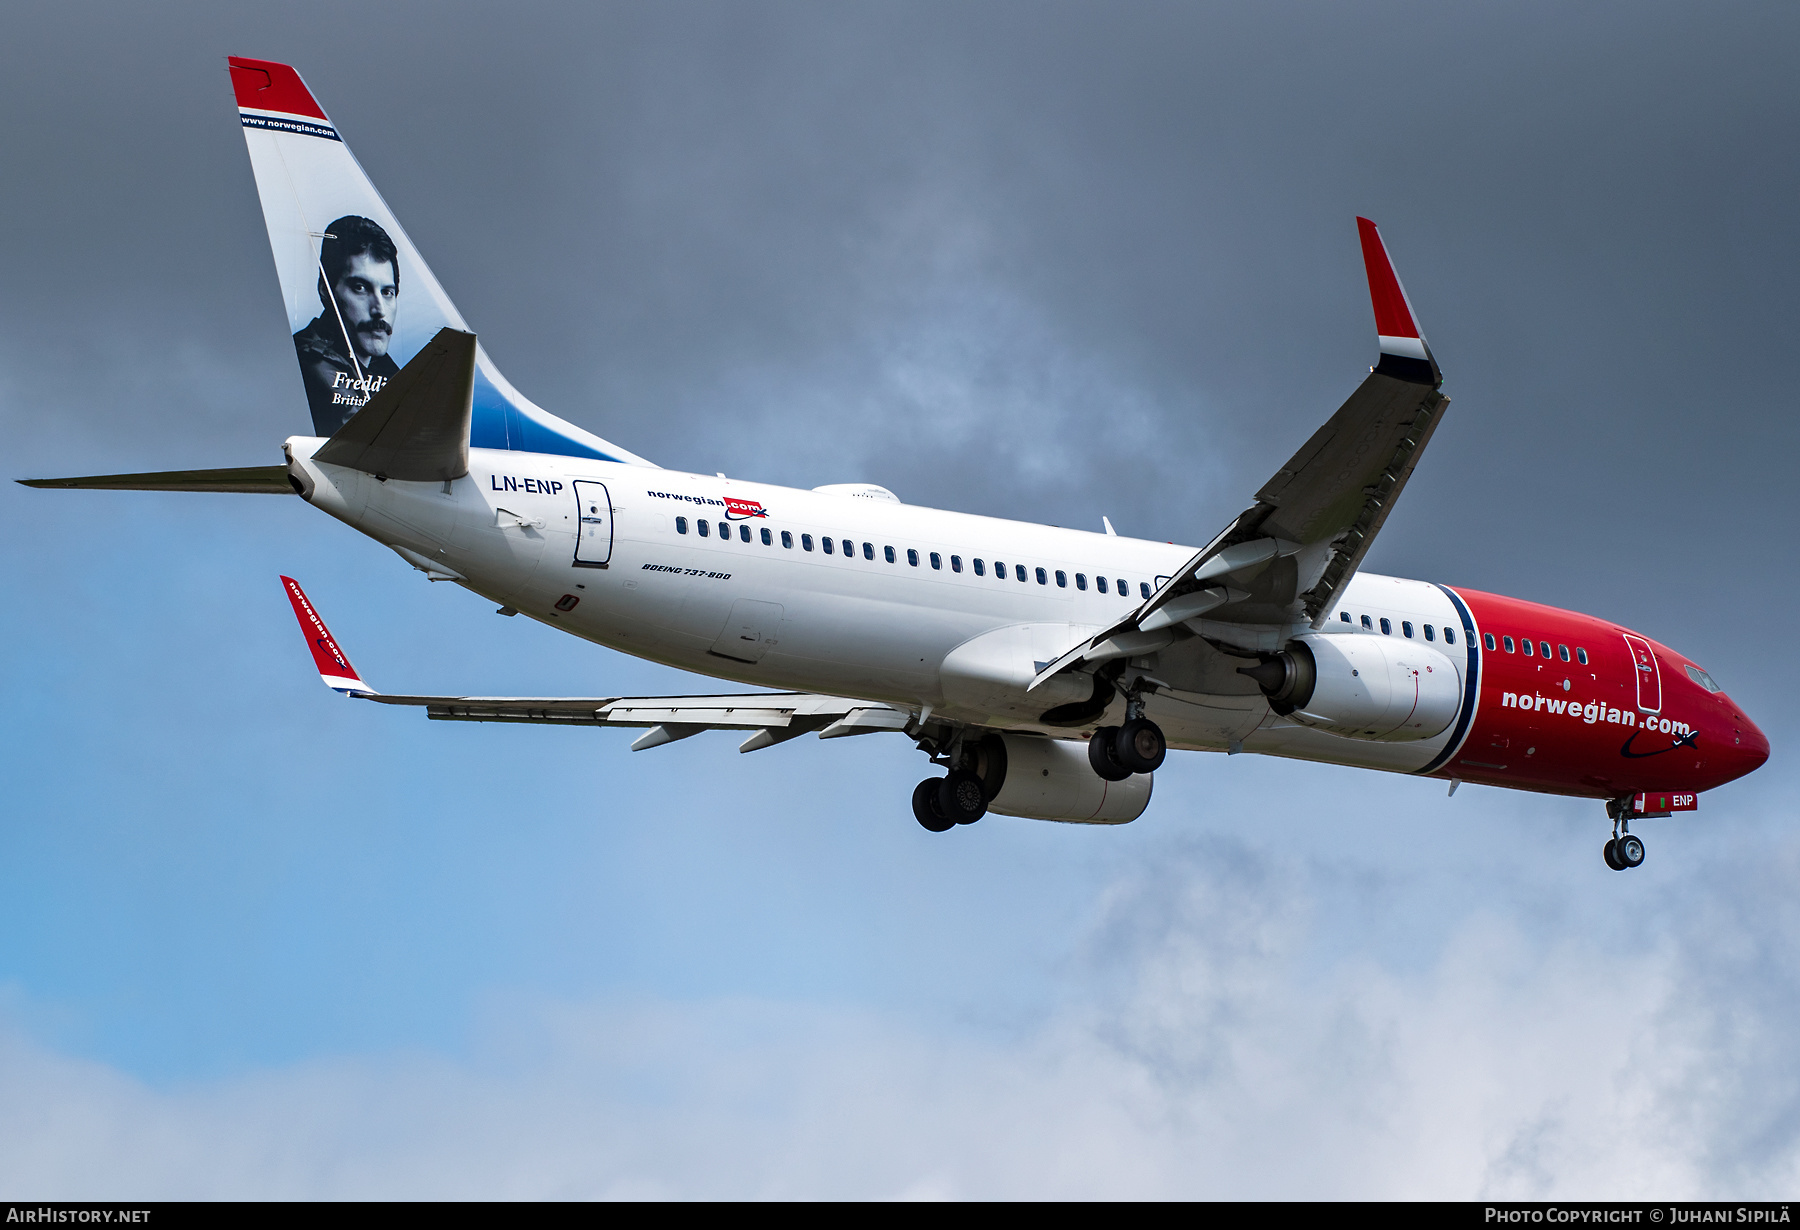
(360, 299)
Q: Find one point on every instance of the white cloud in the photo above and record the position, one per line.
(1201, 1050)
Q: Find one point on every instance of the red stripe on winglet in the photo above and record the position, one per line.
(269, 86)
(330, 659)
(1392, 317)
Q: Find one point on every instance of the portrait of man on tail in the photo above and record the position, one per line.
(344, 352)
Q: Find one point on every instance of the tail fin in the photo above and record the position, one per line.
(360, 300)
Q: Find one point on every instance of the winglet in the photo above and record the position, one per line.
(334, 666)
(1404, 353)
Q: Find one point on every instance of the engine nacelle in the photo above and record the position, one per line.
(1051, 779)
(1363, 687)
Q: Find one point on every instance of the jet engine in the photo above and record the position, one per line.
(1051, 779)
(1362, 687)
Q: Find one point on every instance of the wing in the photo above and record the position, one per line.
(1288, 556)
(773, 717)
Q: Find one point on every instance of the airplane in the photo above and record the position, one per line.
(1045, 671)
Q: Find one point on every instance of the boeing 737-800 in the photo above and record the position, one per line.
(1046, 671)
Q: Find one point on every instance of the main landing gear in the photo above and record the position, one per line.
(942, 803)
(1625, 849)
(961, 796)
(1116, 752)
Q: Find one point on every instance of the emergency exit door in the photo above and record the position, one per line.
(593, 526)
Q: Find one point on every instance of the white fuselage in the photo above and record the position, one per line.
(769, 611)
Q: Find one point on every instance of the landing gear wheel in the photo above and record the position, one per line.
(1140, 746)
(961, 797)
(1103, 755)
(1629, 850)
(1611, 855)
(925, 806)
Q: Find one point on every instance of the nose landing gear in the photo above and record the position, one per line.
(1625, 850)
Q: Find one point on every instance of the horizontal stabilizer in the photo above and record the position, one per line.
(416, 428)
(255, 480)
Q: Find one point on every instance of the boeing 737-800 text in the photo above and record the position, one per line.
(1046, 671)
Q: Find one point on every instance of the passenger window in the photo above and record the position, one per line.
(1387, 629)
(1019, 571)
(1544, 648)
(743, 532)
(979, 567)
(826, 543)
(1344, 615)
(849, 549)
(1124, 589)
(806, 542)
(1562, 651)
(1487, 639)
(1100, 584)
(769, 539)
(1449, 636)
(1429, 634)
(888, 554)
(1581, 656)
(956, 563)
(681, 525)
(1144, 588)
(1081, 581)
(869, 552)
(704, 526)
(999, 571)
(1507, 642)
(912, 557)
(1368, 623)
(1406, 627)
(1043, 577)
(787, 540)
(1528, 649)
(725, 531)
(937, 561)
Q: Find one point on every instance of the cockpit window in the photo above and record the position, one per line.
(1703, 679)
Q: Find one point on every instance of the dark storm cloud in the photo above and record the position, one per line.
(1043, 259)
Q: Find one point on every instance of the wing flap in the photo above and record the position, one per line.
(779, 715)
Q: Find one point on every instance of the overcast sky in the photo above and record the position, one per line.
(1049, 261)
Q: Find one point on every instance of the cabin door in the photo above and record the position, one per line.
(593, 526)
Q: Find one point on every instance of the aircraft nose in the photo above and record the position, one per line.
(1755, 746)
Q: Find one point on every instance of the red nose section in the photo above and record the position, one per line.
(1755, 747)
